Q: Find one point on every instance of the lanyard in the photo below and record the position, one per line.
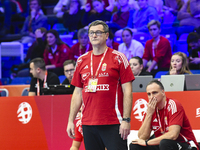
(159, 121)
(91, 64)
(38, 84)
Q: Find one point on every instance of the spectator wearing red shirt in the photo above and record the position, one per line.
(82, 46)
(56, 52)
(158, 50)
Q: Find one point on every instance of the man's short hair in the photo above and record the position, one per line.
(193, 37)
(39, 63)
(99, 22)
(156, 82)
(67, 62)
(82, 32)
(153, 22)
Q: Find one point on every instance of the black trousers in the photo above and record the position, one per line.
(165, 144)
(100, 136)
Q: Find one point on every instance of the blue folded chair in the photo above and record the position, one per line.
(21, 80)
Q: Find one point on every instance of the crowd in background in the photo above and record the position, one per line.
(125, 19)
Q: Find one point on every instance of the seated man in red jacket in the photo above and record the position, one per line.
(158, 49)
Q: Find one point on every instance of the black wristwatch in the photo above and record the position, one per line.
(127, 120)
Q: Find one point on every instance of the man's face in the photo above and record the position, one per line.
(194, 45)
(33, 70)
(69, 71)
(34, 5)
(142, 3)
(123, 3)
(154, 31)
(98, 6)
(97, 35)
(83, 40)
(154, 90)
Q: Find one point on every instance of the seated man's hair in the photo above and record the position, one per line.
(82, 32)
(67, 62)
(156, 82)
(39, 63)
(153, 22)
(193, 37)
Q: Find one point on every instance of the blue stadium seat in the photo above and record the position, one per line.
(59, 27)
(172, 39)
(159, 73)
(62, 78)
(4, 92)
(118, 39)
(5, 81)
(25, 92)
(141, 37)
(21, 80)
(68, 39)
(195, 71)
(182, 45)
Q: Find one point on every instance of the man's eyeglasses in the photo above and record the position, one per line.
(71, 70)
(97, 33)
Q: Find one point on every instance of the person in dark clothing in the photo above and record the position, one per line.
(69, 67)
(136, 64)
(41, 77)
(36, 50)
(75, 15)
(193, 41)
(99, 13)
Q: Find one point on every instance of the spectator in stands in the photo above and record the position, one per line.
(9, 10)
(110, 41)
(82, 46)
(167, 119)
(69, 67)
(99, 14)
(108, 4)
(36, 50)
(75, 15)
(34, 21)
(158, 4)
(193, 41)
(60, 8)
(189, 17)
(41, 77)
(158, 50)
(130, 47)
(120, 18)
(179, 64)
(136, 65)
(139, 19)
(173, 6)
(56, 52)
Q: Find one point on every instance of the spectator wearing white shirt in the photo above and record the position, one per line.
(130, 47)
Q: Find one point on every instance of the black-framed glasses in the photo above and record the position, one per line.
(71, 70)
(97, 33)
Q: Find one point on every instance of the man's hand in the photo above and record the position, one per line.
(195, 60)
(139, 142)
(124, 129)
(70, 130)
(151, 106)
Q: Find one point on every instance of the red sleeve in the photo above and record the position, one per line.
(176, 114)
(147, 51)
(78, 130)
(64, 55)
(162, 49)
(76, 80)
(46, 56)
(126, 74)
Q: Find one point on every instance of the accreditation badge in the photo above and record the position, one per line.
(92, 85)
